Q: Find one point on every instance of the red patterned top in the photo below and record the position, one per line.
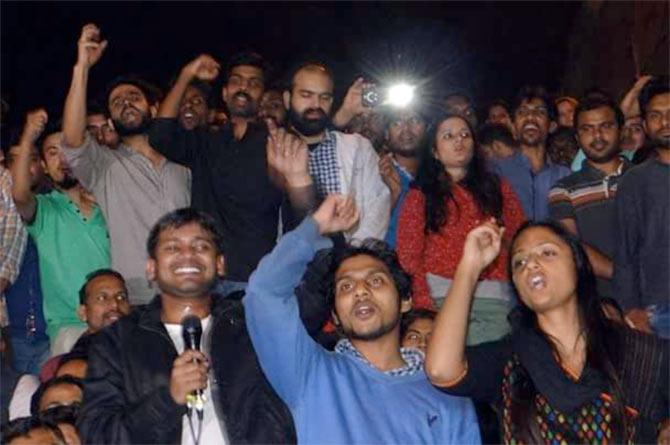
(439, 253)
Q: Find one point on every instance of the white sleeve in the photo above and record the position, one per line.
(19, 406)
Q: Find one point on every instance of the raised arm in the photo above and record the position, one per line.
(203, 68)
(90, 49)
(284, 348)
(288, 163)
(445, 358)
(24, 198)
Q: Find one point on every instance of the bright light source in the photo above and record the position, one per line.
(400, 95)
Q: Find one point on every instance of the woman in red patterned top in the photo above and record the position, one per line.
(456, 193)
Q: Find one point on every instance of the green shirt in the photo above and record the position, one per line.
(69, 247)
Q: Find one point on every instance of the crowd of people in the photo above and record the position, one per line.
(428, 273)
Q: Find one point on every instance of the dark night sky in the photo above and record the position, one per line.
(487, 48)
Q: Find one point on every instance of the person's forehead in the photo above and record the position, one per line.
(404, 116)
(185, 232)
(360, 263)
(104, 282)
(535, 236)
(96, 119)
(659, 102)
(533, 102)
(247, 72)
(192, 92)
(314, 79)
(125, 88)
(52, 140)
(597, 114)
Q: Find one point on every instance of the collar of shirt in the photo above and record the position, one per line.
(402, 170)
(412, 357)
(623, 166)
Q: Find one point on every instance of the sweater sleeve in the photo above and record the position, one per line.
(626, 278)
(284, 348)
(411, 246)
(560, 204)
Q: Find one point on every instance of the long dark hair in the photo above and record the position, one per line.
(603, 341)
(436, 184)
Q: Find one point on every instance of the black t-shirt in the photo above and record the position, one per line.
(230, 182)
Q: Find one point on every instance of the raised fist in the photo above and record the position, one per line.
(90, 48)
(36, 120)
(337, 213)
(204, 67)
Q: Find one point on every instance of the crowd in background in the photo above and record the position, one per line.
(435, 272)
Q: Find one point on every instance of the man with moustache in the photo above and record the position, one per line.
(534, 115)
(369, 389)
(140, 375)
(338, 162)
(66, 217)
(133, 184)
(236, 177)
(583, 202)
(405, 134)
(99, 127)
(642, 256)
(272, 106)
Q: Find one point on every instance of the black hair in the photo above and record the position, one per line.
(22, 427)
(95, 274)
(603, 339)
(44, 387)
(94, 107)
(248, 58)
(390, 114)
(52, 126)
(61, 414)
(437, 185)
(597, 100)
(415, 314)
(151, 92)
(312, 63)
(530, 92)
(179, 218)
(490, 133)
(376, 249)
(656, 86)
(499, 103)
(205, 89)
(560, 140)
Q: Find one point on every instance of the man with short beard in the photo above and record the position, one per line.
(67, 218)
(338, 162)
(583, 202)
(642, 256)
(533, 118)
(405, 134)
(373, 390)
(133, 184)
(238, 173)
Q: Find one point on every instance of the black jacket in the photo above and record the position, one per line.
(126, 390)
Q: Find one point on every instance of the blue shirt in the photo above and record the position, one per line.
(337, 397)
(580, 157)
(531, 188)
(405, 181)
(24, 298)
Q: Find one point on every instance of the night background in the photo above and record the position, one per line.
(487, 49)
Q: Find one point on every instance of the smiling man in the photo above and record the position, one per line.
(533, 117)
(370, 389)
(140, 375)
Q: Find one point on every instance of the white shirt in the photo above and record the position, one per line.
(211, 426)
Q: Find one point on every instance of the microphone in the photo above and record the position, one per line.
(191, 331)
